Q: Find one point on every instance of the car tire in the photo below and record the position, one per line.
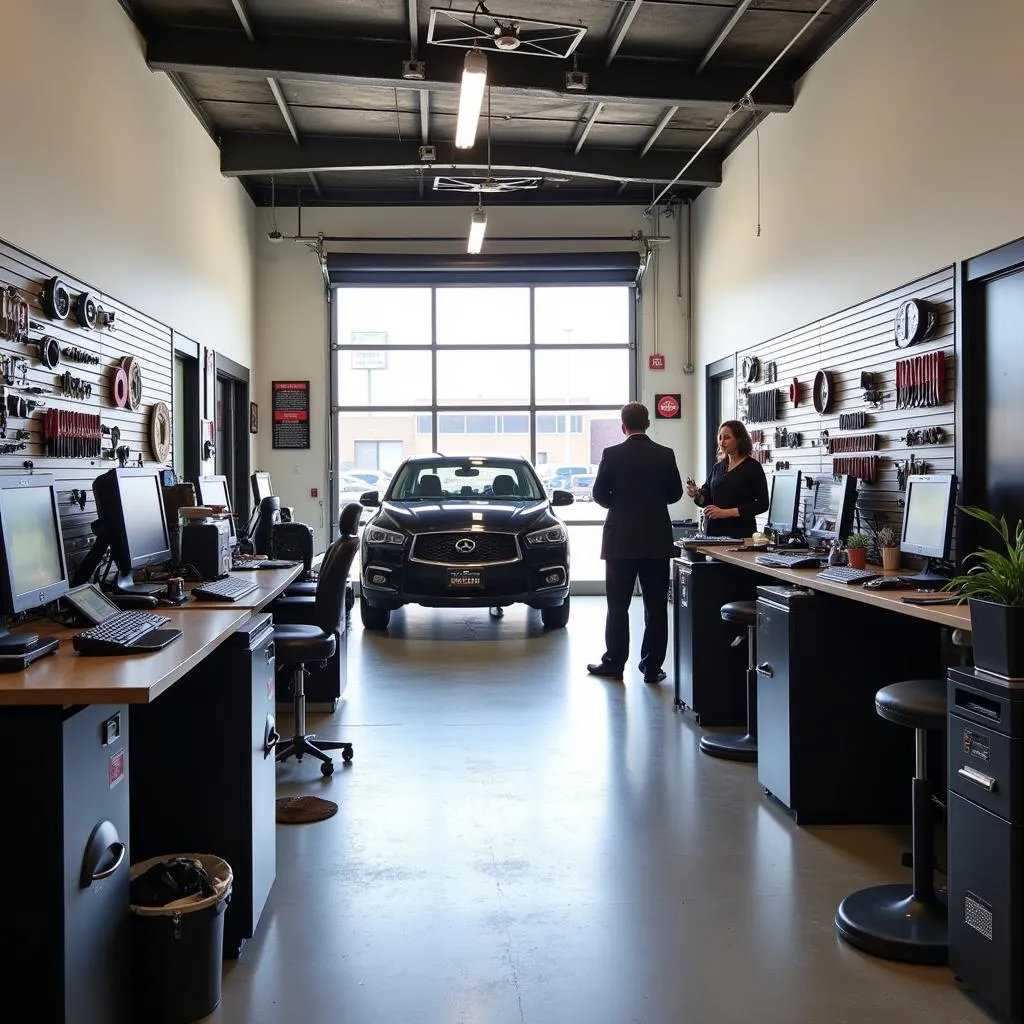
(373, 618)
(557, 617)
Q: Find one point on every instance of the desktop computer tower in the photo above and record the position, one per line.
(64, 806)
(709, 674)
(204, 778)
(986, 840)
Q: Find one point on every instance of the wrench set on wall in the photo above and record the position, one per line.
(863, 466)
(853, 443)
(75, 435)
(921, 381)
(763, 406)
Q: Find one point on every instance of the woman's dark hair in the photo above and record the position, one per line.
(635, 416)
(739, 431)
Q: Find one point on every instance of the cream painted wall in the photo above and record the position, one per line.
(902, 154)
(113, 179)
(292, 320)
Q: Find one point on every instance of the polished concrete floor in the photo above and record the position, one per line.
(521, 843)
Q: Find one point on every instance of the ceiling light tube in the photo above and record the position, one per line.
(477, 227)
(471, 97)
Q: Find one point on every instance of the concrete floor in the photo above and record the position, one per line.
(521, 843)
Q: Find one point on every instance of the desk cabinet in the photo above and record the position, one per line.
(823, 752)
(710, 674)
(64, 945)
(204, 775)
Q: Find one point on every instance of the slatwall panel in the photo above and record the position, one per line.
(846, 344)
(134, 334)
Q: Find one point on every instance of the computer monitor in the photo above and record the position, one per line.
(132, 526)
(928, 523)
(213, 490)
(784, 506)
(831, 515)
(261, 487)
(35, 571)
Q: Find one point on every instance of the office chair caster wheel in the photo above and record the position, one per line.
(348, 754)
(327, 768)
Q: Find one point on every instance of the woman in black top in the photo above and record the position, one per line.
(736, 490)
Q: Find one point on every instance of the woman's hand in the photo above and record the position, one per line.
(692, 489)
(716, 512)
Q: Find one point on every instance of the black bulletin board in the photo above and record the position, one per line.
(290, 413)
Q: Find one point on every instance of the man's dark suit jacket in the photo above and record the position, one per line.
(637, 481)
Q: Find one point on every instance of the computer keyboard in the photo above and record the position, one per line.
(779, 561)
(123, 633)
(846, 574)
(224, 590)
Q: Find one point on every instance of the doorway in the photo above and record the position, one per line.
(720, 402)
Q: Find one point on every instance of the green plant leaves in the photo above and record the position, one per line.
(994, 575)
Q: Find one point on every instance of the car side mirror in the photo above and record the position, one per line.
(560, 497)
(371, 499)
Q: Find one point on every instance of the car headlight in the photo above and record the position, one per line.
(549, 535)
(378, 535)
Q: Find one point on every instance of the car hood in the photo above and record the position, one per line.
(454, 514)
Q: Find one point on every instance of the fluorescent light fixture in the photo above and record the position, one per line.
(477, 227)
(471, 97)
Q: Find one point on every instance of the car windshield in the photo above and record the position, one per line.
(471, 479)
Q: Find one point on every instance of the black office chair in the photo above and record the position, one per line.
(729, 745)
(298, 644)
(504, 485)
(263, 532)
(348, 526)
(900, 921)
(430, 487)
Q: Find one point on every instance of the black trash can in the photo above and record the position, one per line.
(178, 949)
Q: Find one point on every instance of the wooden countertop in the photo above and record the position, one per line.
(952, 615)
(271, 584)
(66, 677)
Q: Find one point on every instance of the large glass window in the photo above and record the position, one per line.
(537, 371)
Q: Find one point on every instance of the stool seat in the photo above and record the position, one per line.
(301, 588)
(742, 612)
(296, 644)
(915, 703)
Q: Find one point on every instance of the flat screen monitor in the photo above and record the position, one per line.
(132, 525)
(831, 517)
(261, 487)
(928, 522)
(32, 550)
(213, 490)
(784, 506)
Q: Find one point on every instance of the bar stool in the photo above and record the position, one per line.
(905, 922)
(733, 746)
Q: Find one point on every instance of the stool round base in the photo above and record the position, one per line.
(886, 921)
(729, 745)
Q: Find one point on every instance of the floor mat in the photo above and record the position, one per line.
(299, 810)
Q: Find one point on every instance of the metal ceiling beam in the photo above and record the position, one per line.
(316, 184)
(424, 116)
(243, 17)
(595, 109)
(245, 153)
(740, 10)
(658, 129)
(414, 30)
(629, 81)
(282, 105)
(622, 25)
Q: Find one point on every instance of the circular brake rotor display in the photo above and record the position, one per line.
(119, 387)
(160, 431)
(131, 367)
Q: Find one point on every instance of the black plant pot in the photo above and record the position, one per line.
(997, 633)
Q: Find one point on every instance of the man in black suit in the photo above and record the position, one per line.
(636, 481)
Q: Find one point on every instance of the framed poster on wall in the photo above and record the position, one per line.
(290, 413)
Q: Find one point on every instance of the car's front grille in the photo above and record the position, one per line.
(450, 548)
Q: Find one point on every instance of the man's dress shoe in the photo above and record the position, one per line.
(604, 669)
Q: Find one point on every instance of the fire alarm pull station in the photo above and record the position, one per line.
(314, 492)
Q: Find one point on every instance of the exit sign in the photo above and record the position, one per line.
(656, 362)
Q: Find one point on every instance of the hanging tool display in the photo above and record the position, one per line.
(78, 496)
(853, 443)
(853, 420)
(873, 394)
(13, 315)
(788, 438)
(74, 354)
(14, 369)
(822, 391)
(74, 387)
(821, 441)
(926, 435)
(72, 435)
(909, 467)
(761, 455)
(771, 372)
(49, 352)
(795, 391)
(106, 318)
(18, 405)
(750, 369)
(114, 433)
(921, 381)
(56, 299)
(123, 454)
(763, 406)
(9, 449)
(916, 321)
(864, 467)
(87, 310)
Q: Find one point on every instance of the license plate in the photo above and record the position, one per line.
(465, 578)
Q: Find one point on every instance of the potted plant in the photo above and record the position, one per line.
(994, 589)
(888, 543)
(857, 550)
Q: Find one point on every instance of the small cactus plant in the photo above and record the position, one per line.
(856, 540)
